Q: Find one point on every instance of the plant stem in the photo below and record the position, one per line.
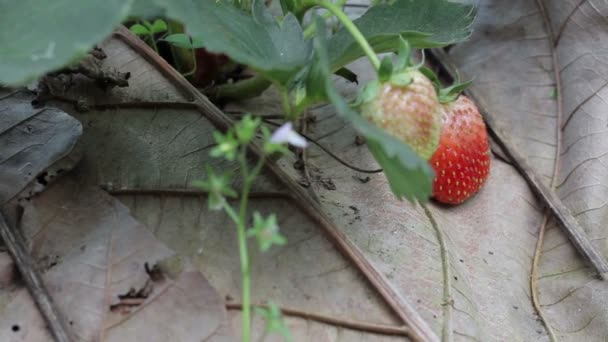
(310, 30)
(240, 90)
(286, 105)
(245, 275)
(243, 254)
(248, 178)
(153, 42)
(352, 29)
(447, 334)
(191, 72)
(231, 213)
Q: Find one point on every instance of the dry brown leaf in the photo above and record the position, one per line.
(100, 252)
(163, 147)
(31, 140)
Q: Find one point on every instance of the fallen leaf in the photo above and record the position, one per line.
(31, 140)
(163, 147)
(103, 251)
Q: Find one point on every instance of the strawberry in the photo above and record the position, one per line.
(462, 159)
(406, 106)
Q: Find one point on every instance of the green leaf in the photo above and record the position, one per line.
(452, 92)
(182, 40)
(403, 57)
(274, 321)
(386, 69)
(369, 91)
(159, 26)
(409, 176)
(145, 9)
(276, 50)
(266, 232)
(315, 83)
(431, 76)
(288, 6)
(397, 167)
(139, 30)
(424, 23)
(246, 128)
(147, 24)
(449, 93)
(218, 187)
(227, 145)
(41, 36)
(402, 79)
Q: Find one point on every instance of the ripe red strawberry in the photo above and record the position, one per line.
(407, 108)
(462, 159)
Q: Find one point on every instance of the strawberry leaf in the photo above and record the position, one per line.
(184, 41)
(409, 176)
(35, 38)
(403, 57)
(139, 30)
(386, 69)
(158, 26)
(424, 23)
(145, 9)
(277, 50)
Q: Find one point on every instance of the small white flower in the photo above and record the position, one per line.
(286, 134)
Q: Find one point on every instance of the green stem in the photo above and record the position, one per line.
(153, 42)
(243, 254)
(286, 105)
(310, 30)
(256, 170)
(231, 213)
(245, 275)
(191, 72)
(352, 29)
(248, 178)
(241, 90)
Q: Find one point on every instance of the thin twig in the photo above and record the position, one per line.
(183, 192)
(34, 283)
(419, 329)
(374, 328)
(577, 235)
(447, 334)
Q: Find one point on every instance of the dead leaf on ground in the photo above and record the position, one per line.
(31, 139)
(101, 252)
(490, 239)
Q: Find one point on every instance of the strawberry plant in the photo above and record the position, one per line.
(399, 113)
(295, 55)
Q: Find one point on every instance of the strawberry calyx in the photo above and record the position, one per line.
(449, 93)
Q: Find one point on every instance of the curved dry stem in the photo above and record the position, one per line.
(534, 278)
(447, 333)
(558, 138)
